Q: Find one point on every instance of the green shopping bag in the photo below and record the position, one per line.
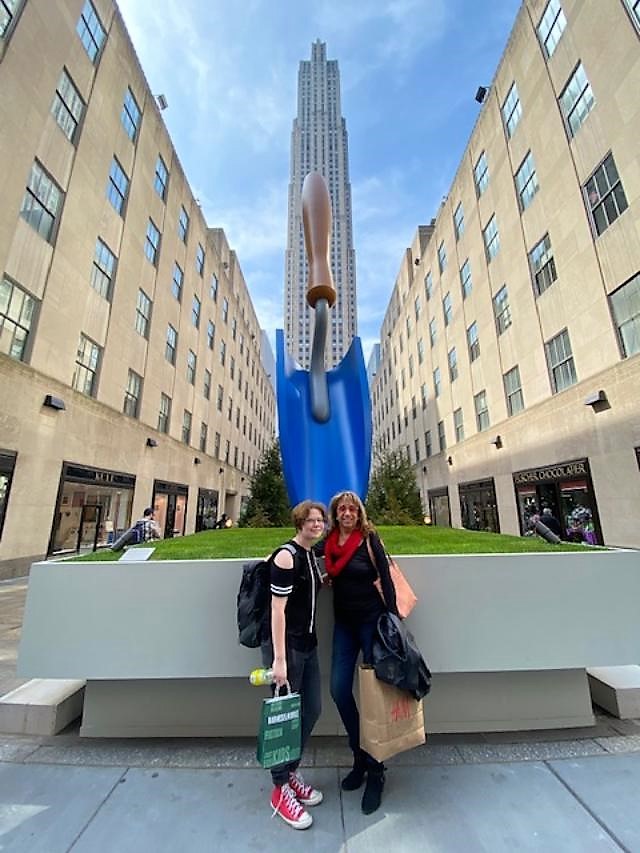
(279, 735)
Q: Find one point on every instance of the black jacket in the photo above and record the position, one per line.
(397, 659)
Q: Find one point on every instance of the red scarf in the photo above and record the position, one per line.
(337, 556)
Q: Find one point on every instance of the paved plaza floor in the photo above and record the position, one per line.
(553, 791)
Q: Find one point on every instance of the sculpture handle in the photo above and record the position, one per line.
(316, 220)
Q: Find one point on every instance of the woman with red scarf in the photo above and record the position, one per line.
(357, 604)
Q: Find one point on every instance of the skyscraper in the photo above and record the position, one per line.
(319, 143)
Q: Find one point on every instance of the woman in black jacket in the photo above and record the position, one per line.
(348, 549)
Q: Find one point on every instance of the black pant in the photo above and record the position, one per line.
(303, 674)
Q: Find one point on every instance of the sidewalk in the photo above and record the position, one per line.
(553, 791)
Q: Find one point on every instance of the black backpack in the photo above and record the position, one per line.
(254, 599)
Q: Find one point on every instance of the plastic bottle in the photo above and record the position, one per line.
(261, 677)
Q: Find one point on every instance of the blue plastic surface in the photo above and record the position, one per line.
(321, 459)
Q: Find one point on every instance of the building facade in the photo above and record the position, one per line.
(130, 351)
(510, 370)
(319, 144)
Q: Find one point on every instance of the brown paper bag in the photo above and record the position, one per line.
(391, 720)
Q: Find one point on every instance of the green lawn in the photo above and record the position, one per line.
(249, 542)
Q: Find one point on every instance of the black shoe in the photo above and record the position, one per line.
(373, 791)
(355, 777)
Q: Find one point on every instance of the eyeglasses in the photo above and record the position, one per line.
(348, 508)
(314, 521)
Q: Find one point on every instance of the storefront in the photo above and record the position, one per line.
(93, 508)
(207, 513)
(7, 464)
(567, 491)
(439, 508)
(170, 505)
(478, 506)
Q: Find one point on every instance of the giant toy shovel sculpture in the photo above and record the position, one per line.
(324, 417)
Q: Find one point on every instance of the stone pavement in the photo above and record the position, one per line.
(552, 791)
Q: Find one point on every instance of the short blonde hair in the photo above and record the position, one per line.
(300, 512)
(363, 524)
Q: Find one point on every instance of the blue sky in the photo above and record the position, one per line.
(409, 71)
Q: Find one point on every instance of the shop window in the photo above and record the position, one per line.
(478, 506)
(7, 465)
(17, 318)
(625, 307)
(439, 508)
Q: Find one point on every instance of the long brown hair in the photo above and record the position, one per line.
(363, 524)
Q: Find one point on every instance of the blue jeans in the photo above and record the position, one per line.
(303, 674)
(348, 642)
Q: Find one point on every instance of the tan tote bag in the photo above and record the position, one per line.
(391, 720)
(406, 598)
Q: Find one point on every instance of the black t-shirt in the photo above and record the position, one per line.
(355, 598)
(300, 586)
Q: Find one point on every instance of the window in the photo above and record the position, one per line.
(225, 310)
(527, 181)
(200, 260)
(161, 178)
(130, 115)
(91, 31)
(634, 10)
(482, 411)
(7, 460)
(625, 307)
(8, 9)
(42, 202)
(433, 332)
(195, 312)
(232, 367)
(176, 283)
(204, 429)
(481, 174)
(511, 110)
(211, 334)
(465, 279)
(491, 238)
(442, 257)
(86, 369)
(117, 186)
(219, 398)
(453, 364)
(577, 100)
(501, 309)
(213, 290)
(442, 437)
(427, 444)
(164, 413)
(473, 341)
(423, 395)
(234, 328)
(428, 285)
(227, 450)
(183, 225)
(446, 308)
(417, 307)
(131, 405)
(551, 26)
(186, 427)
(436, 382)
(191, 367)
(513, 391)
(420, 351)
(17, 315)
(605, 195)
(68, 106)
(171, 345)
(560, 361)
(103, 269)
(543, 267)
(152, 242)
(216, 445)
(458, 425)
(206, 390)
(458, 220)
(143, 314)
(223, 352)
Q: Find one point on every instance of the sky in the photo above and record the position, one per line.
(409, 71)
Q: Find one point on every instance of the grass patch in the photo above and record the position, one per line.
(256, 542)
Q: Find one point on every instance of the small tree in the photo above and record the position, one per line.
(268, 504)
(394, 497)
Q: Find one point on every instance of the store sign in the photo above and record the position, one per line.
(553, 472)
(78, 474)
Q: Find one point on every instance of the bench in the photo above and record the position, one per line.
(616, 689)
(42, 706)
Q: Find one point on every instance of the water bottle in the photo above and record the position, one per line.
(261, 677)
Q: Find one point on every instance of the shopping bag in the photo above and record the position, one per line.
(279, 735)
(391, 720)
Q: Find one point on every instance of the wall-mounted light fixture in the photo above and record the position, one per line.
(449, 460)
(220, 470)
(151, 442)
(162, 102)
(481, 94)
(497, 441)
(56, 403)
(197, 461)
(242, 479)
(417, 262)
(598, 401)
(424, 469)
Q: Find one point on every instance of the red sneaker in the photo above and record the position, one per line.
(285, 804)
(305, 794)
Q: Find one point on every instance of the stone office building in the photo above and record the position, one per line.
(130, 352)
(510, 371)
